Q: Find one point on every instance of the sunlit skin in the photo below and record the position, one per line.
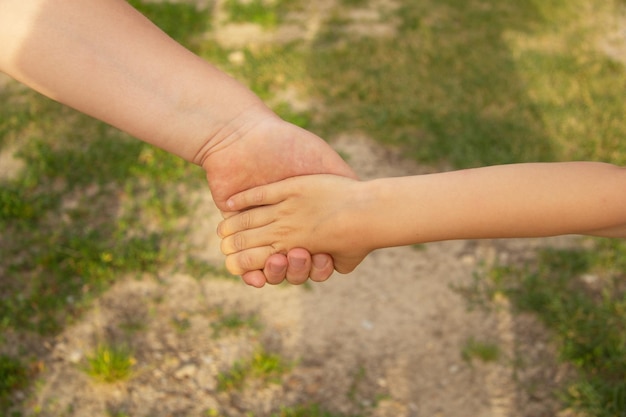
(349, 218)
(105, 59)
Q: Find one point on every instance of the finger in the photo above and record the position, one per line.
(299, 266)
(322, 267)
(248, 260)
(276, 268)
(259, 196)
(249, 219)
(227, 214)
(247, 240)
(254, 278)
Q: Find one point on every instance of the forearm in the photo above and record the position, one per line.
(521, 200)
(105, 59)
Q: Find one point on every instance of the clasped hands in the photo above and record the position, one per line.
(268, 151)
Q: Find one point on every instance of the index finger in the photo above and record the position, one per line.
(259, 196)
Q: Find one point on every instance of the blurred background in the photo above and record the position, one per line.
(113, 298)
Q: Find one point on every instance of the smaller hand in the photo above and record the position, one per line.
(318, 213)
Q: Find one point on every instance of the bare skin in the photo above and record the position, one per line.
(105, 59)
(292, 152)
(348, 219)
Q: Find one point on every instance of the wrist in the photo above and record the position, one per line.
(392, 218)
(228, 130)
(370, 202)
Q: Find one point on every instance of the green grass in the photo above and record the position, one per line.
(475, 83)
(307, 411)
(268, 70)
(182, 21)
(181, 322)
(263, 366)
(581, 297)
(13, 375)
(268, 14)
(110, 363)
(235, 321)
(481, 350)
(118, 414)
(72, 217)
(88, 206)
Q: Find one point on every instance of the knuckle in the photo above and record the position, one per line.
(238, 242)
(245, 220)
(257, 197)
(246, 262)
(283, 232)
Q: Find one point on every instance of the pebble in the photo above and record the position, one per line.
(186, 371)
(75, 356)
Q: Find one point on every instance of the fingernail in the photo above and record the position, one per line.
(230, 204)
(297, 262)
(320, 262)
(277, 269)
